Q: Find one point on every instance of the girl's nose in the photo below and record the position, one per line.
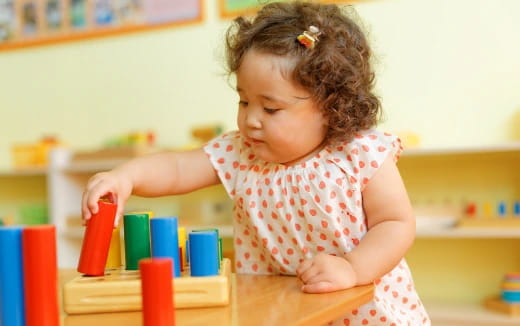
(253, 118)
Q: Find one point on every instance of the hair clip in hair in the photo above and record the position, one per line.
(310, 37)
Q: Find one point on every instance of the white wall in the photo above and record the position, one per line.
(447, 70)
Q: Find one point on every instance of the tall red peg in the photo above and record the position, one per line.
(96, 242)
(157, 291)
(40, 269)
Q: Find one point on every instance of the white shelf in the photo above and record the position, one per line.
(491, 233)
(467, 314)
(93, 166)
(29, 172)
(501, 148)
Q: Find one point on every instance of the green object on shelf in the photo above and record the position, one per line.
(137, 239)
(1, 222)
(33, 214)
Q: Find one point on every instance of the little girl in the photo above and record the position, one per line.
(317, 193)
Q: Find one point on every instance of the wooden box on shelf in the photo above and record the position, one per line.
(497, 304)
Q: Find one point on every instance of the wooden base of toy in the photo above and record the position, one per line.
(489, 222)
(497, 304)
(120, 290)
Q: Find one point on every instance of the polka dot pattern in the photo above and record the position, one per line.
(283, 215)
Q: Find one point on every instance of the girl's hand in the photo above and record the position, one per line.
(111, 185)
(326, 273)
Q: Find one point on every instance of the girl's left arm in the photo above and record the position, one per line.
(391, 231)
(390, 222)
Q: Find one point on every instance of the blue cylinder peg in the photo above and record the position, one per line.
(12, 306)
(165, 241)
(203, 253)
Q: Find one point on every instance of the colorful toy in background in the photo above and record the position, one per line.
(28, 276)
(500, 209)
(6, 221)
(33, 155)
(409, 139)
(510, 288)
(500, 213)
(203, 134)
(204, 282)
(509, 300)
(124, 146)
(33, 214)
(134, 138)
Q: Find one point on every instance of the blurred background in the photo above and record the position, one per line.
(448, 75)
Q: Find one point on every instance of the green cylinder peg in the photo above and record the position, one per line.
(137, 239)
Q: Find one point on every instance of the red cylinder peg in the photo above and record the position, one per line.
(40, 271)
(96, 241)
(157, 291)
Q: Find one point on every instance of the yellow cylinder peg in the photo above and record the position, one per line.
(114, 253)
(181, 232)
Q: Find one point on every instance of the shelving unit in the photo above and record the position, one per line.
(456, 268)
(21, 188)
(467, 315)
(475, 233)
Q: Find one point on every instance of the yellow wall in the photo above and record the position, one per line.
(447, 70)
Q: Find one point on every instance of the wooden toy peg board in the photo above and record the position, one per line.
(120, 290)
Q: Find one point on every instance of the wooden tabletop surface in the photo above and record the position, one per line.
(255, 301)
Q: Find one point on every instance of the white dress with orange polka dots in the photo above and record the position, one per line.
(285, 214)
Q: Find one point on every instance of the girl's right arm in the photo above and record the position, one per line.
(161, 174)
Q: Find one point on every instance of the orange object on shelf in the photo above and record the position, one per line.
(33, 154)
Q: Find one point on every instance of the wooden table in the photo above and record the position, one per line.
(255, 300)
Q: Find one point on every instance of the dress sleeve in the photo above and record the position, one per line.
(363, 156)
(224, 153)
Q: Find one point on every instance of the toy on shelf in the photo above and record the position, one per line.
(488, 214)
(122, 147)
(409, 139)
(509, 300)
(202, 134)
(6, 221)
(33, 155)
(33, 214)
(205, 282)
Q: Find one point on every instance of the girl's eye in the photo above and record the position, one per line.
(270, 111)
(242, 103)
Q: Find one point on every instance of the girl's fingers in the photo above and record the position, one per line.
(94, 195)
(306, 264)
(119, 212)
(319, 287)
(309, 274)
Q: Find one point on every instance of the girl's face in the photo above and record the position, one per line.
(276, 116)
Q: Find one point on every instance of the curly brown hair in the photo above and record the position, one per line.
(336, 72)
